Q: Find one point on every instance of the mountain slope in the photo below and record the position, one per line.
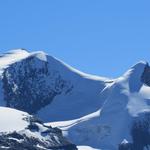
(19, 130)
(124, 116)
(92, 111)
(40, 84)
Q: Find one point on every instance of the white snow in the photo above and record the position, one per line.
(16, 55)
(59, 64)
(41, 147)
(104, 129)
(18, 140)
(86, 148)
(4, 147)
(124, 141)
(11, 57)
(81, 95)
(12, 120)
(97, 111)
(40, 55)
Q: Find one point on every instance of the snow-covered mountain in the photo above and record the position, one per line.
(106, 114)
(123, 121)
(21, 131)
(41, 84)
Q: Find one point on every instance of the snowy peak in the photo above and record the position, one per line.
(136, 70)
(40, 55)
(10, 57)
(17, 55)
(146, 75)
(136, 75)
(35, 80)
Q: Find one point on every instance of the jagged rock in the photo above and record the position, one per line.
(25, 132)
(16, 141)
(145, 78)
(30, 85)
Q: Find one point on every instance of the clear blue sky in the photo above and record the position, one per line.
(103, 37)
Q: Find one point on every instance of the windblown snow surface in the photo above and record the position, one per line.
(93, 112)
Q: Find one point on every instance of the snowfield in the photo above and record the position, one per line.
(12, 120)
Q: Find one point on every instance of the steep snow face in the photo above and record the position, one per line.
(19, 130)
(83, 99)
(123, 115)
(134, 76)
(41, 84)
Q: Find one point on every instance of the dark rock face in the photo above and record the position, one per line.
(16, 141)
(31, 84)
(126, 146)
(52, 138)
(140, 133)
(146, 75)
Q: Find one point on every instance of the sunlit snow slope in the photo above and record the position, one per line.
(124, 116)
(12, 120)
